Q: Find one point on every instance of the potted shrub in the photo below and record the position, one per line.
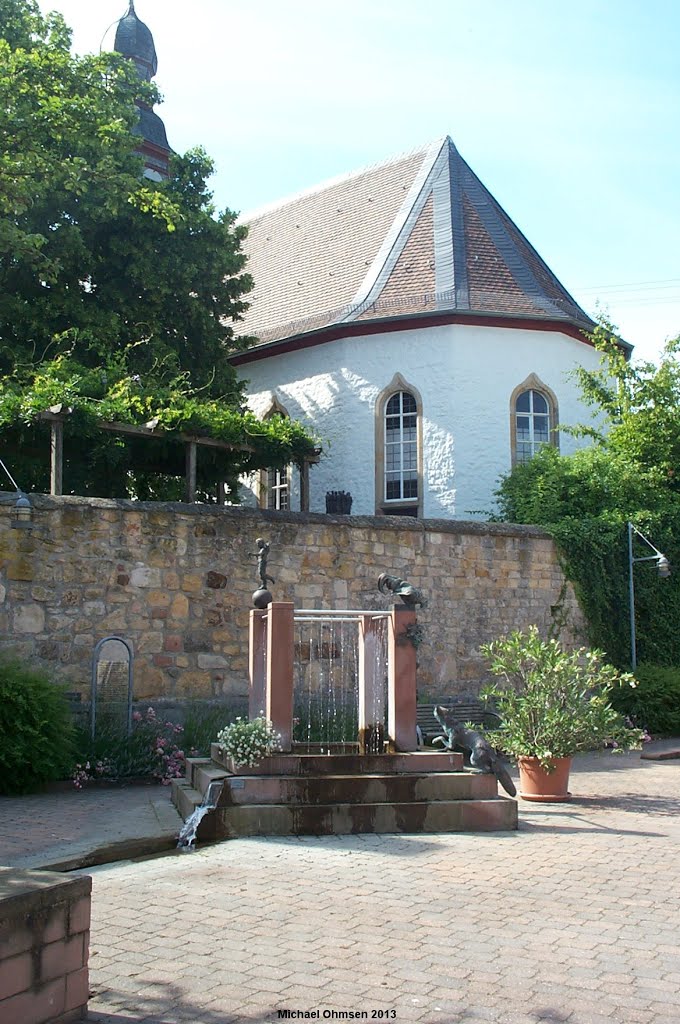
(552, 703)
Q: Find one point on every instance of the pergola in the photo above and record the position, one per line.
(57, 415)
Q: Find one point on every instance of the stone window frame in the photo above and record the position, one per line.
(534, 383)
(400, 506)
(274, 407)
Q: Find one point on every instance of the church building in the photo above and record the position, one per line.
(400, 313)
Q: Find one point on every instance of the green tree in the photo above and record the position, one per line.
(628, 473)
(119, 297)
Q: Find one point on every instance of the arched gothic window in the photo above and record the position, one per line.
(534, 419)
(399, 450)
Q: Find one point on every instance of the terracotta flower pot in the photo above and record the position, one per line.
(546, 787)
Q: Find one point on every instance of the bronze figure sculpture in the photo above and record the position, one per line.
(262, 554)
(482, 755)
(262, 597)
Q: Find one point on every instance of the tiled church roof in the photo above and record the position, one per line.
(417, 234)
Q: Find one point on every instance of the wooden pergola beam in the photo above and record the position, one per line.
(56, 417)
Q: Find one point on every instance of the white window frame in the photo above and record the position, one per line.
(383, 504)
(278, 490)
(533, 385)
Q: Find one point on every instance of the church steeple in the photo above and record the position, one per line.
(135, 41)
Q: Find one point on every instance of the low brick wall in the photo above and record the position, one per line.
(44, 945)
(176, 581)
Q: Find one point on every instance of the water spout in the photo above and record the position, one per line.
(187, 837)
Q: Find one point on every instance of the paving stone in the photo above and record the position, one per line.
(573, 918)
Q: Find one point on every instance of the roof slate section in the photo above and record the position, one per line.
(411, 285)
(417, 234)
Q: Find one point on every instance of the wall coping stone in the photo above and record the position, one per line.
(23, 892)
(399, 524)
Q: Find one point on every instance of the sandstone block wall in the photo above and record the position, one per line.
(176, 581)
(44, 946)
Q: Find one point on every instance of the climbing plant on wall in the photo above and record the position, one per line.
(628, 473)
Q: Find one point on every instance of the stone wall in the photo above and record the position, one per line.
(176, 581)
(44, 946)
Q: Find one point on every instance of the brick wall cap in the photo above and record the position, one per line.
(23, 891)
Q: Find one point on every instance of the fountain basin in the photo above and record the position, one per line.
(302, 794)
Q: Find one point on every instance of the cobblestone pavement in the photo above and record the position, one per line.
(572, 918)
(67, 829)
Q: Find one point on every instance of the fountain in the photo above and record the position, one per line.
(378, 780)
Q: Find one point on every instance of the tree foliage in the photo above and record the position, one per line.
(586, 499)
(119, 296)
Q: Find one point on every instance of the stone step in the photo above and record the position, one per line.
(184, 797)
(191, 763)
(497, 814)
(346, 764)
(203, 774)
(350, 789)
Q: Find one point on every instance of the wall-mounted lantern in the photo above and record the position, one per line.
(23, 510)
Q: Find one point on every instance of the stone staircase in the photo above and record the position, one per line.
(340, 794)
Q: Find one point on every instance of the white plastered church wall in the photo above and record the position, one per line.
(465, 376)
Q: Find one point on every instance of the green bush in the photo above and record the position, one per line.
(36, 731)
(655, 702)
(202, 722)
(151, 750)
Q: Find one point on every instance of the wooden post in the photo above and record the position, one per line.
(56, 457)
(371, 683)
(401, 681)
(279, 698)
(304, 486)
(257, 669)
(221, 494)
(191, 471)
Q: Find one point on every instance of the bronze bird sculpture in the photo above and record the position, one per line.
(410, 595)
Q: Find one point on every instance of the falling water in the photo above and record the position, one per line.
(380, 686)
(187, 838)
(326, 681)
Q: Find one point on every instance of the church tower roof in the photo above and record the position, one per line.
(135, 41)
(416, 236)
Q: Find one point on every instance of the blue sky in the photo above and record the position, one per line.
(568, 111)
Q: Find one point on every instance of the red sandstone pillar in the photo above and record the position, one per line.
(371, 683)
(257, 669)
(401, 681)
(279, 674)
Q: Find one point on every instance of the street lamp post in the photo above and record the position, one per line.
(663, 567)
